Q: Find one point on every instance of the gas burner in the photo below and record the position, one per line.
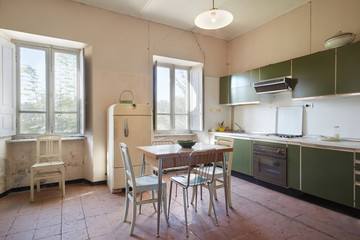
(287, 136)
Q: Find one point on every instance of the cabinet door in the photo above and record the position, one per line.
(225, 90)
(254, 77)
(348, 70)
(275, 70)
(357, 180)
(328, 174)
(240, 87)
(314, 74)
(293, 166)
(242, 156)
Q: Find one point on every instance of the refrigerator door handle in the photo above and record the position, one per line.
(126, 128)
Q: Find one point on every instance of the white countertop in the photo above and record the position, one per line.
(343, 144)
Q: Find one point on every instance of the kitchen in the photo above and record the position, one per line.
(119, 57)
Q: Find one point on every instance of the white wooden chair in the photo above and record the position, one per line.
(205, 161)
(218, 177)
(139, 185)
(48, 164)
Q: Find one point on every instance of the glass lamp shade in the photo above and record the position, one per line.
(213, 19)
(339, 39)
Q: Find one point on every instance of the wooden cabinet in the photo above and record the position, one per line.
(225, 90)
(242, 156)
(275, 70)
(293, 166)
(314, 74)
(348, 69)
(328, 174)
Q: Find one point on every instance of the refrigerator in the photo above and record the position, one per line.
(132, 125)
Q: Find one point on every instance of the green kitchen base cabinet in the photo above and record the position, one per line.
(328, 174)
(242, 156)
(293, 166)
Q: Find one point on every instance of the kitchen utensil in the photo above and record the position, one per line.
(186, 143)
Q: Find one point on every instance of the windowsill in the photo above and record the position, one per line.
(34, 139)
(173, 134)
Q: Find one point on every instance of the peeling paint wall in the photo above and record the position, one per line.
(21, 156)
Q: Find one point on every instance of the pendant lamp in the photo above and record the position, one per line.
(339, 39)
(213, 19)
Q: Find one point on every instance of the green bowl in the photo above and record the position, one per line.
(186, 143)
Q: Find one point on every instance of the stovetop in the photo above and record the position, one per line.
(284, 135)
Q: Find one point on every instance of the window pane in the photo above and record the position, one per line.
(32, 79)
(180, 90)
(163, 122)
(181, 122)
(65, 67)
(32, 123)
(163, 90)
(66, 123)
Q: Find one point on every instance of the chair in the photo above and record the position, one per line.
(48, 164)
(139, 185)
(204, 161)
(218, 177)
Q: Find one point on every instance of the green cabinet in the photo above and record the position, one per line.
(328, 174)
(275, 70)
(225, 90)
(357, 180)
(293, 166)
(348, 69)
(314, 74)
(242, 156)
(240, 87)
(254, 77)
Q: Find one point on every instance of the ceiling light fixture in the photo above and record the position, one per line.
(339, 39)
(213, 19)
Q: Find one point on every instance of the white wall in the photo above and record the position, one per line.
(318, 120)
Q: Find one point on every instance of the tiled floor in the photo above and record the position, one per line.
(91, 212)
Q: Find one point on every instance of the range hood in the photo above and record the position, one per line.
(274, 85)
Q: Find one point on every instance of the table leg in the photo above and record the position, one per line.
(160, 162)
(143, 164)
(225, 183)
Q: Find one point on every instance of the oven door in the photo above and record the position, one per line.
(270, 169)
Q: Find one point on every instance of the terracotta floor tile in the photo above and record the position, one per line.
(72, 226)
(46, 232)
(80, 234)
(25, 235)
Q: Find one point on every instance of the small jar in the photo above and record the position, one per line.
(336, 132)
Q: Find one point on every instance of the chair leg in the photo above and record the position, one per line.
(185, 211)
(132, 226)
(196, 198)
(193, 195)
(38, 185)
(187, 197)
(229, 191)
(126, 203)
(164, 206)
(201, 192)
(141, 200)
(170, 198)
(214, 188)
(212, 202)
(31, 184)
(152, 197)
(63, 182)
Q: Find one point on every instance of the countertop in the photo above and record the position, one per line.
(313, 141)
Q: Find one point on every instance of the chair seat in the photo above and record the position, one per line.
(171, 170)
(218, 171)
(146, 183)
(47, 174)
(194, 179)
(47, 164)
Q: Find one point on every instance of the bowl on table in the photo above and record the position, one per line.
(186, 143)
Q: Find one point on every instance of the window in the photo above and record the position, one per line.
(178, 98)
(49, 90)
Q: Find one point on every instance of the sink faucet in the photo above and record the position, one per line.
(240, 128)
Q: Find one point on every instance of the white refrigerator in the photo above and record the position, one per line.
(132, 125)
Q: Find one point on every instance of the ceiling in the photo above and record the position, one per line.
(248, 14)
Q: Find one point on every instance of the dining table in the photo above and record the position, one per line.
(165, 156)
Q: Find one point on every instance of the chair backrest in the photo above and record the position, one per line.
(129, 171)
(161, 142)
(53, 148)
(205, 163)
(227, 142)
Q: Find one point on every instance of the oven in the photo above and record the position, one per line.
(270, 163)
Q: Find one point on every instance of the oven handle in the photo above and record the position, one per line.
(270, 155)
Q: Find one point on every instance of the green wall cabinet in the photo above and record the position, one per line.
(293, 166)
(242, 156)
(314, 74)
(225, 90)
(240, 87)
(281, 69)
(328, 174)
(348, 69)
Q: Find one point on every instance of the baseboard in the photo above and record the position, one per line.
(20, 189)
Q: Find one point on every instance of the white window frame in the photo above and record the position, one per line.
(172, 114)
(50, 107)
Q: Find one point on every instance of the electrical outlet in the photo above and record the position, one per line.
(309, 105)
